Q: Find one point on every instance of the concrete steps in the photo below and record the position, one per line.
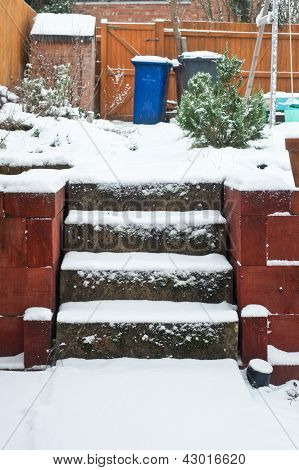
(145, 273)
(193, 232)
(143, 329)
(144, 197)
(145, 276)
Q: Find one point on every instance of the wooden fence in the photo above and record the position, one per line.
(15, 23)
(119, 42)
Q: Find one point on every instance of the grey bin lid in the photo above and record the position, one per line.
(199, 56)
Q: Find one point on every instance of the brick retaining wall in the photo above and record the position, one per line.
(264, 251)
(30, 246)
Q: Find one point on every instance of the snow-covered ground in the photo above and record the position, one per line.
(127, 403)
(120, 153)
(144, 404)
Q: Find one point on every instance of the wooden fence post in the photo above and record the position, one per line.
(104, 71)
(160, 44)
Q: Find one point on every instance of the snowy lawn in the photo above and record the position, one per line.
(143, 404)
(120, 153)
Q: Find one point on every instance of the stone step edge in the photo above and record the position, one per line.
(144, 311)
(145, 219)
(144, 262)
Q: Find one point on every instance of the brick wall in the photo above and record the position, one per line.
(30, 242)
(141, 11)
(264, 250)
(81, 54)
(145, 11)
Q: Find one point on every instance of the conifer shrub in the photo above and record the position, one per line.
(217, 114)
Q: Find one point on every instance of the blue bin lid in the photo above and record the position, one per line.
(151, 59)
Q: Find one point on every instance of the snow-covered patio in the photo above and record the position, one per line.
(139, 404)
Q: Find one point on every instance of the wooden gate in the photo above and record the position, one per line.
(119, 44)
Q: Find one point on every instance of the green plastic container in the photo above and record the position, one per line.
(291, 115)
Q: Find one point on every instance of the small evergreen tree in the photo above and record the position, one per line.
(216, 114)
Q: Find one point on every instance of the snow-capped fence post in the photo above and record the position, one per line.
(37, 337)
(254, 319)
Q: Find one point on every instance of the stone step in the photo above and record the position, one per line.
(144, 329)
(145, 276)
(144, 197)
(194, 232)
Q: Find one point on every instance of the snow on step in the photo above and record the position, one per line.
(189, 233)
(145, 276)
(76, 261)
(145, 218)
(111, 329)
(143, 311)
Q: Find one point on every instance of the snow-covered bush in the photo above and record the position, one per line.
(59, 6)
(217, 114)
(7, 96)
(52, 6)
(48, 97)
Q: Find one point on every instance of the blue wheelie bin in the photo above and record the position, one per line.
(150, 93)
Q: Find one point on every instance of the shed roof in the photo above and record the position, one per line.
(50, 24)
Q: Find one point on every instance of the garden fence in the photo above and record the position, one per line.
(15, 24)
(119, 42)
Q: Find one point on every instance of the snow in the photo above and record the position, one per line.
(51, 24)
(145, 218)
(12, 362)
(38, 314)
(276, 357)
(281, 94)
(102, 153)
(201, 55)
(253, 310)
(84, 261)
(143, 311)
(35, 157)
(294, 134)
(151, 59)
(33, 181)
(141, 404)
(261, 366)
(282, 262)
(280, 214)
(286, 411)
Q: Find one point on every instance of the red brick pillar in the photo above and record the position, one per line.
(30, 244)
(254, 333)
(37, 337)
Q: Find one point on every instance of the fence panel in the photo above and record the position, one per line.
(119, 42)
(15, 24)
